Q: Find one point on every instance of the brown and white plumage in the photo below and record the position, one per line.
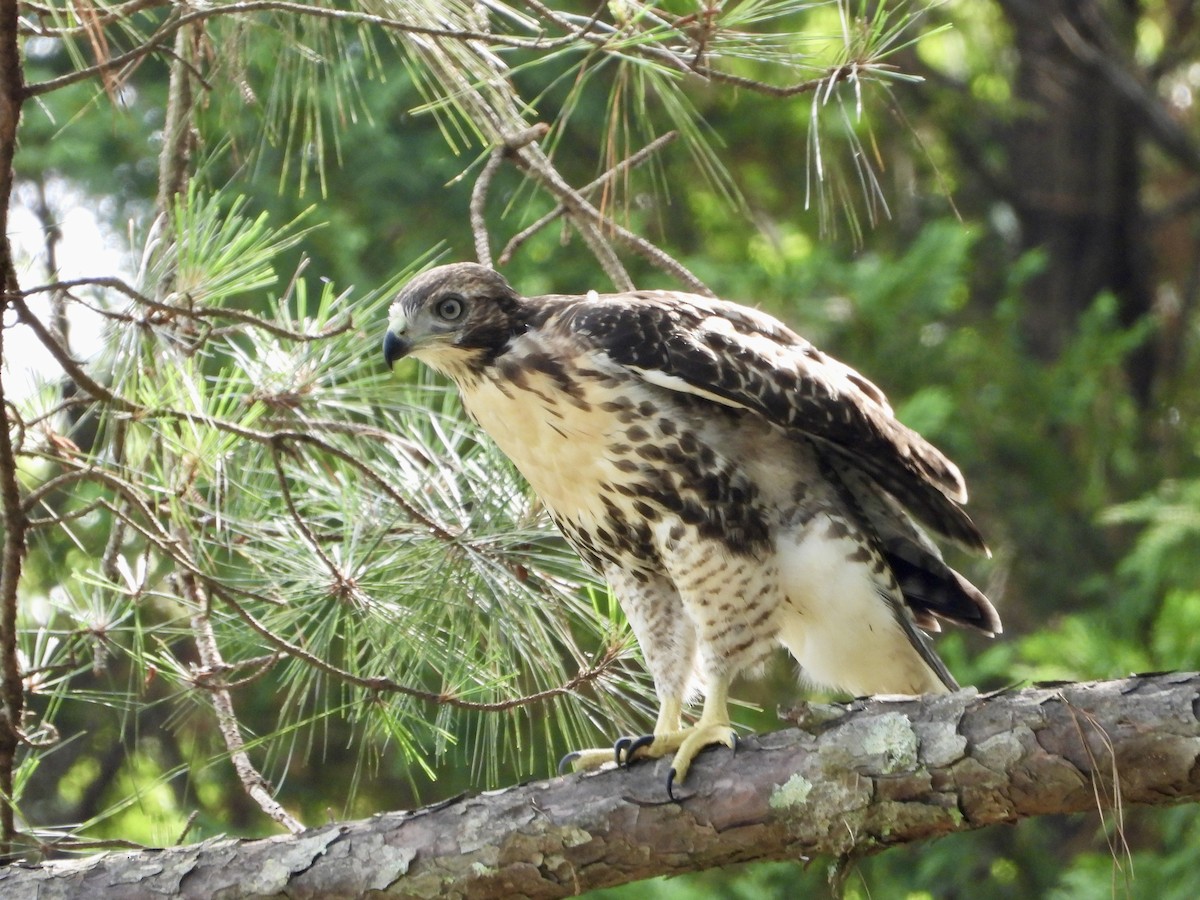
(738, 488)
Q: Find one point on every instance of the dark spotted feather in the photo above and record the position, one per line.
(742, 358)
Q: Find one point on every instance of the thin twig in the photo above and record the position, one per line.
(433, 527)
(479, 193)
(576, 204)
(483, 250)
(187, 826)
(624, 165)
(259, 666)
(167, 547)
(150, 45)
(35, 496)
(170, 309)
(58, 519)
(116, 534)
(210, 658)
(383, 684)
(84, 381)
(534, 162)
(342, 584)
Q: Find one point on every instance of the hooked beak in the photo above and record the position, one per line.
(396, 343)
(395, 347)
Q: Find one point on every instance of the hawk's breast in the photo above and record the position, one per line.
(628, 468)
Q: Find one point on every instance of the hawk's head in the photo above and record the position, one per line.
(453, 318)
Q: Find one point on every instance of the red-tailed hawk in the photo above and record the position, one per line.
(738, 488)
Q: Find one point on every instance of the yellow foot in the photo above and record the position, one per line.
(622, 753)
(685, 744)
(582, 760)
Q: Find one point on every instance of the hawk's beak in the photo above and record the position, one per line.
(396, 343)
(395, 347)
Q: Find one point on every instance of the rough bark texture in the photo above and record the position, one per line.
(13, 525)
(853, 779)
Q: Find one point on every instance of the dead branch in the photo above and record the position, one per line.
(483, 250)
(231, 730)
(539, 168)
(620, 168)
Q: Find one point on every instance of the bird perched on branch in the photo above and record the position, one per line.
(738, 488)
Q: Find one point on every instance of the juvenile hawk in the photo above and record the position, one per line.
(737, 487)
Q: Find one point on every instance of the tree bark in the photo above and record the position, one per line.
(12, 516)
(853, 779)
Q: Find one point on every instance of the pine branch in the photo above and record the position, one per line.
(859, 778)
(575, 29)
(170, 310)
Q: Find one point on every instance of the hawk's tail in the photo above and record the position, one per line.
(935, 591)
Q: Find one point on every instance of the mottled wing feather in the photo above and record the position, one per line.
(742, 358)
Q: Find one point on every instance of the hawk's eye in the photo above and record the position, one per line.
(450, 308)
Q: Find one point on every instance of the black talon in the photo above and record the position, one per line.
(621, 746)
(566, 761)
(671, 789)
(644, 741)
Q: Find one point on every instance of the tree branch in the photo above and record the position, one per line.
(1108, 61)
(604, 37)
(483, 249)
(211, 679)
(855, 780)
(620, 168)
(171, 310)
(12, 549)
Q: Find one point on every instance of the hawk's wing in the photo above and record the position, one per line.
(745, 359)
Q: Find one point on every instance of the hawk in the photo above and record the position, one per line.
(737, 488)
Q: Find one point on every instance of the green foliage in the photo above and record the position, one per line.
(321, 501)
(1163, 557)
